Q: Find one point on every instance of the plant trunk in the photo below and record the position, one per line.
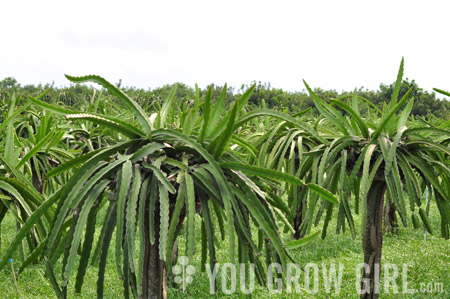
(372, 240)
(298, 218)
(390, 219)
(36, 179)
(154, 284)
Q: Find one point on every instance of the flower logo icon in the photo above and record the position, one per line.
(183, 272)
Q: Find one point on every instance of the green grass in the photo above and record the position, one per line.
(427, 263)
(33, 284)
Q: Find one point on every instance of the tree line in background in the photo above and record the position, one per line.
(425, 104)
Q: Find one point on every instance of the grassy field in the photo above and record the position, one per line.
(428, 266)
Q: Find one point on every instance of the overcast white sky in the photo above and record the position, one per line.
(331, 44)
